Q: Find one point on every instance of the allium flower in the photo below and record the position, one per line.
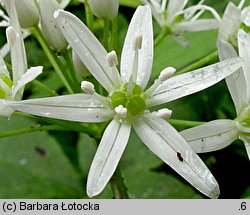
(13, 89)
(172, 15)
(233, 19)
(127, 103)
(104, 9)
(52, 34)
(220, 133)
(28, 13)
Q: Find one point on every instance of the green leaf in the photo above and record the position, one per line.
(171, 53)
(34, 166)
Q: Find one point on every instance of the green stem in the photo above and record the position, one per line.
(115, 37)
(44, 88)
(52, 57)
(118, 186)
(106, 34)
(71, 71)
(185, 123)
(203, 61)
(89, 16)
(164, 32)
(32, 129)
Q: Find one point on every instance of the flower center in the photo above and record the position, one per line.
(134, 101)
(5, 86)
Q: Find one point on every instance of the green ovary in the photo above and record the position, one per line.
(134, 102)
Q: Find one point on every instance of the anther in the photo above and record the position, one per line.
(112, 59)
(164, 113)
(11, 35)
(121, 111)
(166, 73)
(88, 87)
(137, 42)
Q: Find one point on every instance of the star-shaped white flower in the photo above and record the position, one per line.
(220, 133)
(12, 89)
(233, 19)
(126, 104)
(173, 15)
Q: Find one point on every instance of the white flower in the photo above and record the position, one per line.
(28, 13)
(220, 133)
(173, 16)
(13, 89)
(104, 9)
(126, 104)
(50, 30)
(233, 19)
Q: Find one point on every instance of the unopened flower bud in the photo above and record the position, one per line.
(166, 73)
(80, 68)
(88, 87)
(164, 113)
(50, 29)
(104, 9)
(28, 13)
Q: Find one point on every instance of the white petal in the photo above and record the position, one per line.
(196, 25)
(29, 76)
(3, 68)
(87, 47)
(246, 16)
(107, 157)
(211, 136)
(236, 82)
(230, 22)
(4, 109)
(18, 54)
(141, 23)
(167, 144)
(191, 82)
(244, 52)
(76, 107)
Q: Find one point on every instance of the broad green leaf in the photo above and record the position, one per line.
(34, 166)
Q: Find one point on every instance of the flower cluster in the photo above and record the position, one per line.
(127, 100)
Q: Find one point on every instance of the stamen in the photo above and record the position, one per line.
(164, 75)
(11, 35)
(130, 85)
(121, 111)
(136, 46)
(164, 113)
(88, 87)
(112, 61)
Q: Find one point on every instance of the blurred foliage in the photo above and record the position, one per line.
(56, 164)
